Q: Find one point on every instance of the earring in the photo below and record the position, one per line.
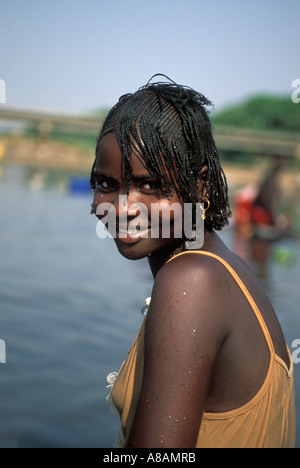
(207, 207)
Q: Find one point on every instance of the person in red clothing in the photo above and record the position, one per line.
(264, 207)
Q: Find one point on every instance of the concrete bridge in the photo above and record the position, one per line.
(233, 139)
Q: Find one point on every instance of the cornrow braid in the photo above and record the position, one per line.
(167, 126)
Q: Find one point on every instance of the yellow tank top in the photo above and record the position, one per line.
(266, 421)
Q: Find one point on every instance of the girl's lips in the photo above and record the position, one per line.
(130, 236)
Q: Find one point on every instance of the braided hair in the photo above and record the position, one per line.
(167, 126)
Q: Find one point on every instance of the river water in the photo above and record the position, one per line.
(70, 309)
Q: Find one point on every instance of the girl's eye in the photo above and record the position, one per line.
(151, 186)
(105, 185)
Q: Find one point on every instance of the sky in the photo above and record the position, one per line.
(75, 56)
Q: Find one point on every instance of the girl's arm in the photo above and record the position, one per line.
(184, 332)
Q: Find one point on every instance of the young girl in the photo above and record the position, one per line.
(209, 366)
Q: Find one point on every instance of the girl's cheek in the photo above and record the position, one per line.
(102, 198)
(98, 200)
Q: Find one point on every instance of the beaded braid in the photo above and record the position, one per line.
(167, 126)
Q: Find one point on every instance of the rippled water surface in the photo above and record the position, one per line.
(70, 309)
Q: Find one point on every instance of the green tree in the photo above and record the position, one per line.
(263, 112)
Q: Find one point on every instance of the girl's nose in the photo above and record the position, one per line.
(128, 207)
(122, 206)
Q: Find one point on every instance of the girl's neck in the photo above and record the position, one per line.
(159, 258)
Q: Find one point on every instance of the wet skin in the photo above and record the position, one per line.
(201, 333)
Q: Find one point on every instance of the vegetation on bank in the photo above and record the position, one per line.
(261, 112)
(85, 141)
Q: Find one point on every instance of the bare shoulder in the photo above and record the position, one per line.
(190, 292)
(193, 276)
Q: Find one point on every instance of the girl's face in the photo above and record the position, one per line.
(141, 220)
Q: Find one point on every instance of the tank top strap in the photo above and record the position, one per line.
(243, 288)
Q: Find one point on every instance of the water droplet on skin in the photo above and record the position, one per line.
(194, 331)
(184, 293)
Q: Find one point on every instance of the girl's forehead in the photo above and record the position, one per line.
(109, 157)
(108, 143)
(108, 151)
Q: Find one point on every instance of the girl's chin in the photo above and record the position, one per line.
(143, 248)
(132, 251)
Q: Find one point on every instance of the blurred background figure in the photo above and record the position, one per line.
(258, 220)
(264, 215)
(256, 207)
